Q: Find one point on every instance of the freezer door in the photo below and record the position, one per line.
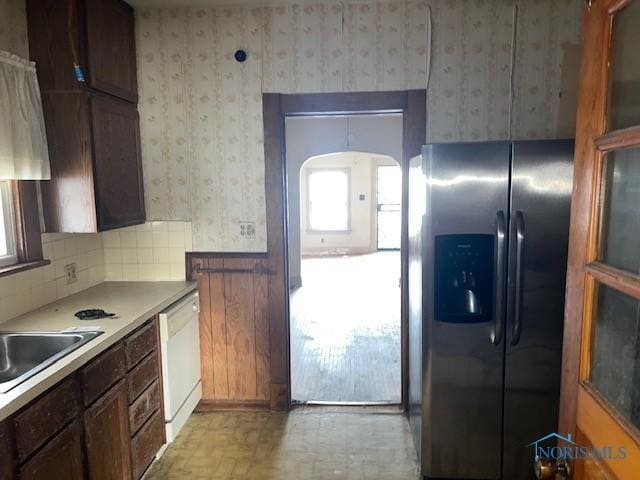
(541, 183)
(416, 207)
(464, 255)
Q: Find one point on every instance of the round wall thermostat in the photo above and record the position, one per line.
(240, 55)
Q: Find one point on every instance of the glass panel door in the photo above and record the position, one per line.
(625, 68)
(605, 301)
(617, 329)
(620, 242)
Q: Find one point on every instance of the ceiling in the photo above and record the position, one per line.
(209, 3)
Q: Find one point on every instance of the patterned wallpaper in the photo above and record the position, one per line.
(202, 112)
(335, 47)
(201, 122)
(202, 131)
(469, 95)
(548, 33)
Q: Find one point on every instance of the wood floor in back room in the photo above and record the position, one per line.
(345, 329)
(310, 443)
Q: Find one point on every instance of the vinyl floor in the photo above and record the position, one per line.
(345, 330)
(310, 443)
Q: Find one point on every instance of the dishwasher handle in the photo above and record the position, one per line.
(177, 316)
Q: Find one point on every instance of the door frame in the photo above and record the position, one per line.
(412, 104)
(584, 268)
(376, 239)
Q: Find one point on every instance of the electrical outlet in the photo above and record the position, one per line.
(70, 272)
(248, 229)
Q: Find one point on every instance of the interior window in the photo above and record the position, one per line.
(328, 200)
(8, 255)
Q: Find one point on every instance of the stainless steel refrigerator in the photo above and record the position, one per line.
(488, 227)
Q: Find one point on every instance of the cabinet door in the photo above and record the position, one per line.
(50, 41)
(146, 443)
(6, 452)
(68, 198)
(111, 53)
(106, 425)
(60, 458)
(118, 168)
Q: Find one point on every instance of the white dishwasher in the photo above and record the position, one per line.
(180, 346)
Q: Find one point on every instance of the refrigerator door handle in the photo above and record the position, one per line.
(517, 322)
(501, 242)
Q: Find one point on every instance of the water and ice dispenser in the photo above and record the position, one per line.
(464, 283)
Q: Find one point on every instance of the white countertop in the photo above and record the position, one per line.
(132, 302)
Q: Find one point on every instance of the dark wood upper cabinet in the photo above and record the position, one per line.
(93, 127)
(49, 44)
(102, 34)
(106, 427)
(117, 163)
(111, 53)
(96, 168)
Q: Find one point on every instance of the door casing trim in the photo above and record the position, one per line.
(412, 104)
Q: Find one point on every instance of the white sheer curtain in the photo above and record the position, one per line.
(23, 141)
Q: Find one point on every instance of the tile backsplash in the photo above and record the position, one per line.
(154, 251)
(26, 291)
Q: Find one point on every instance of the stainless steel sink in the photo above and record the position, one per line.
(23, 354)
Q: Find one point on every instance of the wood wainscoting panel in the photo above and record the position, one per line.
(263, 341)
(241, 333)
(206, 346)
(234, 329)
(218, 308)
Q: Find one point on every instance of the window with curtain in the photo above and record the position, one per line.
(23, 156)
(8, 252)
(23, 142)
(328, 200)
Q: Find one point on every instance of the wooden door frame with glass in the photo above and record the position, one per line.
(585, 412)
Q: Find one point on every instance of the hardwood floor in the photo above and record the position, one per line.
(345, 330)
(310, 443)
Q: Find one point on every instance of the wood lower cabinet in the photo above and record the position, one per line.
(6, 451)
(146, 443)
(40, 420)
(144, 389)
(106, 427)
(99, 423)
(144, 406)
(61, 458)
